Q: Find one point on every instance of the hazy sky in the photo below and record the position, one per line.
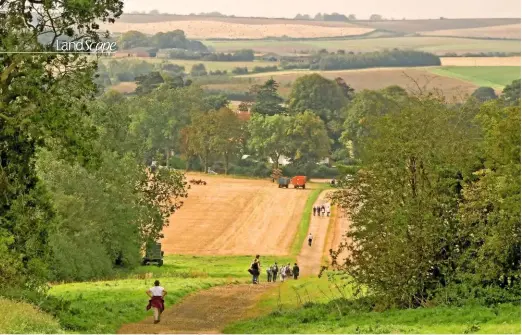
(411, 9)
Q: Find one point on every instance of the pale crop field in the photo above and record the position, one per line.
(480, 61)
(504, 31)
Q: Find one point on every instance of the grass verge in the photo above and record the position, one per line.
(306, 217)
(343, 317)
(103, 306)
(18, 317)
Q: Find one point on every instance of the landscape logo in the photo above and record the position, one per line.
(85, 46)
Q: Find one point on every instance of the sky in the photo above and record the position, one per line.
(397, 9)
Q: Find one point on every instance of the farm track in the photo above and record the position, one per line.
(209, 311)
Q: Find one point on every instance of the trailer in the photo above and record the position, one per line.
(153, 254)
(299, 182)
(283, 182)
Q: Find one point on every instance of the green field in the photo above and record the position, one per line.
(103, 306)
(317, 306)
(438, 45)
(493, 76)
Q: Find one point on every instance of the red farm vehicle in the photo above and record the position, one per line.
(298, 181)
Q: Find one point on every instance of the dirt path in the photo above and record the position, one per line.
(341, 225)
(310, 258)
(206, 311)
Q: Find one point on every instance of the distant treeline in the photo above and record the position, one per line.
(243, 55)
(483, 54)
(175, 39)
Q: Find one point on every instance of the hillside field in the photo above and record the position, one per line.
(494, 76)
(230, 216)
(437, 45)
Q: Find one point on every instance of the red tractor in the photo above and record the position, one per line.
(298, 181)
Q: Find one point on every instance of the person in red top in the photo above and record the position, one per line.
(156, 302)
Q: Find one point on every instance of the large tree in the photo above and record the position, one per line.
(269, 136)
(42, 104)
(267, 100)
(230, 135)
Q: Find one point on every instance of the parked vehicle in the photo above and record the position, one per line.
(283, 182)
(299, 181)
(153, 254)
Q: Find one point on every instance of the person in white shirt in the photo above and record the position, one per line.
(156, 302)
(310, 239)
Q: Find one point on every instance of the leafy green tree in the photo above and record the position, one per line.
(269, 136)
(404, 199)
(230, 135)
(132, 39)
(149, 82)
(198, 70)
(42, 104)
(484, 94)
(309, 139)
(511, 93)
(267, 100)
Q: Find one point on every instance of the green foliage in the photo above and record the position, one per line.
(267, 100)
(391, 58)
(260, 69)
(268, 136)
(175, 39)
(39, 108)
(240, 70)
(427, 222)
(198, 70)
(484, 94)
(511, 93)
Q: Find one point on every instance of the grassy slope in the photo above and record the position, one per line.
(494, 76)
(306, 217)
(322, 318)
(22, 318)
(285, 313)
(102, 307)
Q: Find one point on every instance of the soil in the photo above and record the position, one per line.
(206, 311)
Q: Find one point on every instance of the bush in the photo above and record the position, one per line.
(323, 171)
(258, 69)
(177, 162)
(240, 70)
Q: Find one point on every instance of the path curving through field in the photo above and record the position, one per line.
(209, 311)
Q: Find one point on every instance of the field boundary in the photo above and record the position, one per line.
(304, 224)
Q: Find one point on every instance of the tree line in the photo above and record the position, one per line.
(435, 200)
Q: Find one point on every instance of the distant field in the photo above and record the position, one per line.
(415, 26)
(480, 61)
(203, 29)
(437, 45)
(504, 31)
(375, 79)
(497, 77)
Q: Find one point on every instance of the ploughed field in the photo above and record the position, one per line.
(235, 217)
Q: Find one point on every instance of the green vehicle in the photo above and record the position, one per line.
(283, 182)
(153, 254)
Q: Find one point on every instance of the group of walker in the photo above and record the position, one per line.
(272, 272)
(322, 210)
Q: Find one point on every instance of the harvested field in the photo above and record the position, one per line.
(235, 217)
(375, 79)
(480, 61)
(125, 87)
(437, 45)
(511, 31)
(199, 29)
(414, 26)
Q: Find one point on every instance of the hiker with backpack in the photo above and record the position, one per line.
(275, 270)
(310, 238)
(323, 210)
(269, 274)
(295, 271)
(288, 270)
(283, 273)
(315, 210)
(255, 270)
